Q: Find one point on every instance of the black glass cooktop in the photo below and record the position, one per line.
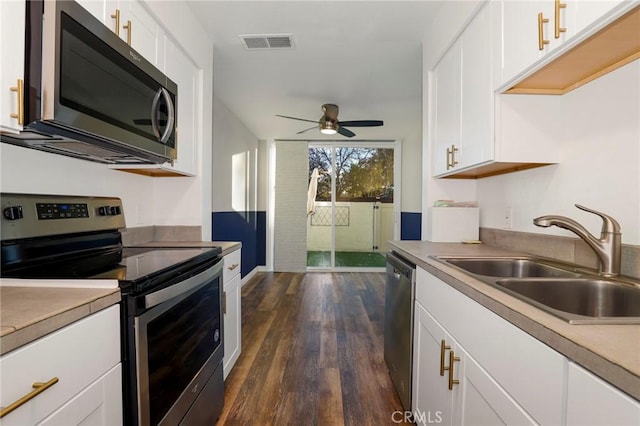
(136, 264)
(135, 268)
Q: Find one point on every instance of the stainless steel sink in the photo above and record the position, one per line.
(597, 299)
(560, 289)
(510, 267)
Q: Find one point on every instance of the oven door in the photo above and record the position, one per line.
(179, 345)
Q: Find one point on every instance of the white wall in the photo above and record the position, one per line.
(235, 162)
(30, 171)
(411, 167)
(600, 147)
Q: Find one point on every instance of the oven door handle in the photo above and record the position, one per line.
(160, 296)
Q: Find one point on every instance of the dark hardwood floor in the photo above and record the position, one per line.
(312, 353)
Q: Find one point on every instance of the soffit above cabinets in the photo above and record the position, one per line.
(610, 48)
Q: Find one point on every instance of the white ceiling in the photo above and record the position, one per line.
(364, 56)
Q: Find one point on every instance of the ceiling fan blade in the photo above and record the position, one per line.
(345, 132)
(362, 123)
(296, 118)
(306, 130)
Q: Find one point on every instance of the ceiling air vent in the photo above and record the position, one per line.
(267, 41)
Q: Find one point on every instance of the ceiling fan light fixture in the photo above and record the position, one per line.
(328, 127)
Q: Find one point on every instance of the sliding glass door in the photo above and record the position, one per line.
(350, 204)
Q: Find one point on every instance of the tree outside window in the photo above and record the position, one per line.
(362, 174)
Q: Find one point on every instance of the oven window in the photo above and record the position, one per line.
(179, 342)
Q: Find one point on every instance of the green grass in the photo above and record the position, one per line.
(346, 258)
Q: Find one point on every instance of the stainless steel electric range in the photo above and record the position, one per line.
(171, 322)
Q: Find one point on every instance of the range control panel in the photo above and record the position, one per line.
(61, 211)
(34, 215)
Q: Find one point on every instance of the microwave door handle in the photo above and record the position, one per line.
(170, 116)
(154, 114)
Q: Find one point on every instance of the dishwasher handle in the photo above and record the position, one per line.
(401, 267)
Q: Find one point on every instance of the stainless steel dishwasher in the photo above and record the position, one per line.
(399, 294)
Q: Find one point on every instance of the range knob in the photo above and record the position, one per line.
(114, 210)
(13, 212)
(104, 211)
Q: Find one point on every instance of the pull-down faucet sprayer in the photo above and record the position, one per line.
(608, 247)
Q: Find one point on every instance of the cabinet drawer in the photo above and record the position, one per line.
(77, 355)
(99, 404)
(231, 265)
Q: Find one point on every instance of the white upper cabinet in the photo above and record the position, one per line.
(133, 24)
(582, 14)
(475, 132)
(140, 30)
(446, 129)
(463, 107)
(536, 33)
(476, 103)
(12, 20)
(186, 75)
(524, 39)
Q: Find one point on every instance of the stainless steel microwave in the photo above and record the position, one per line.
(89, 94)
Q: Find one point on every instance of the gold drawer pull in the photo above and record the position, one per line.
(452, 359)
(38, 388)
(558, 28)
(451, 157)
(19, 89)
(541, 40)
(443, 348)
(232, 267)
(116, 16)
(127, 27)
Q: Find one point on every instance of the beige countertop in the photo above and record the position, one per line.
(609, 351)
(28, 313)
(31, 311)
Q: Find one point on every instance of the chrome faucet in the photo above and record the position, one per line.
(608, 247)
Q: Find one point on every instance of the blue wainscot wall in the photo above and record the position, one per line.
(248, 227)
(410, 226)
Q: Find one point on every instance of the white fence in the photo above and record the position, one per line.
(358, 226)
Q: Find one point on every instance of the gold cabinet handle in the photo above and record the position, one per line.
(451, 157)
(38, 388)
(443, 348)
(541, 41)
(224, 303)
(452, 359)
(19, 89)
(127, 27)
(116, 16)
(558, 28)
(232, 267)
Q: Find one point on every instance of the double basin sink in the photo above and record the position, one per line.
(575, 296)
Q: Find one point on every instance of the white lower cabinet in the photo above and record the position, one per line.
(591, 401)
(451, 388)
(500, 374)
(99, 404)
(506, 376)
(81, 362)
(232, 311)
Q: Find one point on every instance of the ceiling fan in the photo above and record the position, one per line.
(329, 124)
